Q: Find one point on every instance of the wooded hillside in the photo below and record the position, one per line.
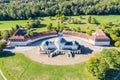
(23, 9)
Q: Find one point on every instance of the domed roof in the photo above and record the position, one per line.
(60, 40)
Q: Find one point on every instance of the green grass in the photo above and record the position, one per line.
(1, 77)
(85, 25)
(18, 67)
(4, 25)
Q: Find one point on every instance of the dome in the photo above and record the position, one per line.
(60, 40)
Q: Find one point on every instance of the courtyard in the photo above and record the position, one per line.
(32, 51)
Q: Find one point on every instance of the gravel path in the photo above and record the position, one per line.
(58, 60)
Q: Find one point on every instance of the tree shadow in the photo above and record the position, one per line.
(53, 19)
(83, 23)
(38, 42)
(111, 73)
(85, 50)
(41, 26)
(7, 54)
(83, 18)
(42, 19)
(1, 23)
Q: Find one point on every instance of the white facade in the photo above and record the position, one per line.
(24, 43)
(46, 47)
(93, 42)
(73, 47)
(20, 43)
(59, 44)
(99, 43)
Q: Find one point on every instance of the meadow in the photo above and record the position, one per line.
(1, 77)
(5, 25)
(18, 67)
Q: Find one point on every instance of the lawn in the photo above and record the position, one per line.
(1, 77)
(5, 25)
(84, 25)
(18, 67)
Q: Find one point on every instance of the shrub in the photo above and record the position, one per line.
(89, 31)
(117, 44)
(89, 19)
(2, 46)
(49, 26)
(78, 29)
(113, 37)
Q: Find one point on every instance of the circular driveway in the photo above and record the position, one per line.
(32, 52)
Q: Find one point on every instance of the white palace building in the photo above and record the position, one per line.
(20, 39)
(60, 45)
(98, 38)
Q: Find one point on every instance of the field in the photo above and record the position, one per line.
(4, 25)
(1, 77)
(18, 67)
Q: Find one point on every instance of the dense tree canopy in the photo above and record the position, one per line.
(23, 9)
(101, 65)
(97, 67)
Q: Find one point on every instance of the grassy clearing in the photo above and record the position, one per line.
(18, 67)
(1, 77)
(84, 25)
(4, 25)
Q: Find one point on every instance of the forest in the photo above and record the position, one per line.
(24, 9)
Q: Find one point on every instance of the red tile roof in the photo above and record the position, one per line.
(99, 35)
(18, 35)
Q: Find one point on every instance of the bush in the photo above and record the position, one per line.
(94, 21)
(2, 46)
(5, 34)
(50, 17)
(78, 29)
(89, 31)
(49, 26)
(29, 33)
(113, 37)
(117, 44)
(89, 19)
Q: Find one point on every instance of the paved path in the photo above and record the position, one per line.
(3, 75)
